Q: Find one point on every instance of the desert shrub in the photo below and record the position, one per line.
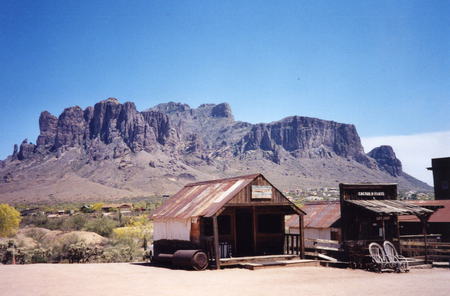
(133, 235)
(138, 221)
(9, 220)
(36, 233)
(40, 255)
(103, 226)
(76, 222)
(54, 223)
(117, 254)
(82, 253)
(59, 250)
(39, 220)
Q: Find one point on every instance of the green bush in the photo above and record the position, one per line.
(76, 222)
(103, 226)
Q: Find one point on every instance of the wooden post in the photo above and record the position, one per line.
(397, 224)
(233, 215)
(216, 242)
(254, 230)
(424, 220)
(301, 226)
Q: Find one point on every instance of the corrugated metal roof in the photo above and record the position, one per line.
(202, 198)
(441, 215)
(318, 215)
(390, 207)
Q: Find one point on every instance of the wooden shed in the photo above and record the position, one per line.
(369, 213)
(233, 217)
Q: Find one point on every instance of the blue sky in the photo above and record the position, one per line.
(381, 65)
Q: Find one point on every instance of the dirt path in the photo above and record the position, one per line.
(130, 279)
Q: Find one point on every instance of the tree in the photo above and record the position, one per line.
(97, 206)
(9, 220)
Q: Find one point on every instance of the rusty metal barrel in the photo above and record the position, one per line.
(195, 259)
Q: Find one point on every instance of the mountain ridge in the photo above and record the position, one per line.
(112, 150)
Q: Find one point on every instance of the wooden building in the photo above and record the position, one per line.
(322, 221)
(438, 224)
(369, 213)
(240, 216)
(441, 177)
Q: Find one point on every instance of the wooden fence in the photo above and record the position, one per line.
(434, 251)
(324, 249)
(292, 243)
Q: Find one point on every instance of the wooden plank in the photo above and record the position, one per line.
(430, 244)
(323, 256)
(440, 256)
(430, 251)
(325, 241)
(216, 242)
(327, 248)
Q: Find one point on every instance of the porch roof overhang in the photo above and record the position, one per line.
(391, 207)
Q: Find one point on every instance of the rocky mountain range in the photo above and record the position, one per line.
(112, 150)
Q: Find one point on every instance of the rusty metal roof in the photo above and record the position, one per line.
(202, 198)
(442, 215)
(318, 215)
(390, 207)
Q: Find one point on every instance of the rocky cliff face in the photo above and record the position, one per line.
(305, 137)
(108, 122)
(112, 150)
(387, 160)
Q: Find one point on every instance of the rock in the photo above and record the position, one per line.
(160, 124)
(71, 127)
(26, 150)
(48, 126)
(306, 137)
(222, 110)
(387, 160)
(7, 178)
(15, 152)
(171, 107)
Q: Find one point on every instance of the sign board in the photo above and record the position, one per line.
(261, 192)
(376, 193)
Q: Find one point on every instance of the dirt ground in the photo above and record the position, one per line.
(136, 279)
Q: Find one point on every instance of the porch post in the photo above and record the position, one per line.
(301, 232)
(254, 230)
(216, 242)
(424, 220)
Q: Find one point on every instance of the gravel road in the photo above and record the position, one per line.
(137, 279)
